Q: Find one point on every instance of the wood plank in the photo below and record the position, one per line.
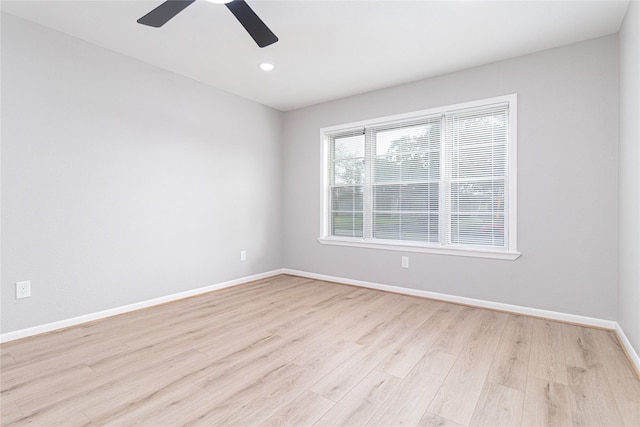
(404, 320)
(358, 405)
(42, 345)
(408, 403)
(257, 399)
(498, 406)
(144, 388)
(158, 407)
(224, 370)
(432, 420)
(264, 388)
(51, 386)
(591, 400)
(546, 404)
(259, 404)
(369, 323)
(343, 378)
(620, 373)
(630, 412)
(56, 417)
(579, 347)
(308, 349)
(304, 410)
(412, 349)
(511, 360)
(457, 397)
(118, 387)
(10, 412)
(547, 359)
(335, 385)
(456, 335)
(6, 360)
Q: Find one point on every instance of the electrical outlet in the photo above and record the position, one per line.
(405, 262)
(243, 255)
(23, 289)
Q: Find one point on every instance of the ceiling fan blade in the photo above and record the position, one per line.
(163, 13)
(252, 23)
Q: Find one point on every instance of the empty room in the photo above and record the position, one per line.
(320, 213)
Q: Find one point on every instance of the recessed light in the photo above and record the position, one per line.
(219, 1)
(266, 66)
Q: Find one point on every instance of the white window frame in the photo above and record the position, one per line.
(508, 253)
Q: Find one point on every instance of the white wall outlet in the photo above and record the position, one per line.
(405, 262)
(243, 255)
(23, 289)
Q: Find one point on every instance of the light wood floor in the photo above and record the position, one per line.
(294, 351)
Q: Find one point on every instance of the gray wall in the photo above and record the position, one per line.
(629, 181)
(122, 182)
(567, 184)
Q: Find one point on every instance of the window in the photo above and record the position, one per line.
(440, 180)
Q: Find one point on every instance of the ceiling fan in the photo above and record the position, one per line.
(257, 29)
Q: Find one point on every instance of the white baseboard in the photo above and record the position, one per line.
(535, 312)
(48, 327)
(631, 352)
(528, 311)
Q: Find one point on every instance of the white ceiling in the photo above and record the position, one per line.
(327, 49)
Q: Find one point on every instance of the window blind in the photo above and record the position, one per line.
(347, 179)
(405, 181)
(476, 176)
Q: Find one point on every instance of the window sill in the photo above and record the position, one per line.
(408, 247)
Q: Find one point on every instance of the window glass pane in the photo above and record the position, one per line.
(386, 226)
(386, 198)
(478, 143)
(408, 197)
(423, 137)
(483, 230)
(406, 212)
(346, 224)
(479, 160)
(478, 197)
(348, 147)
(420, 227)
(407, 167)
(479, 127)
(347, 208)
(346, 199)
(406, 226)
(387, 169)
(420, 197)
(409, 153)
(346, 172)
